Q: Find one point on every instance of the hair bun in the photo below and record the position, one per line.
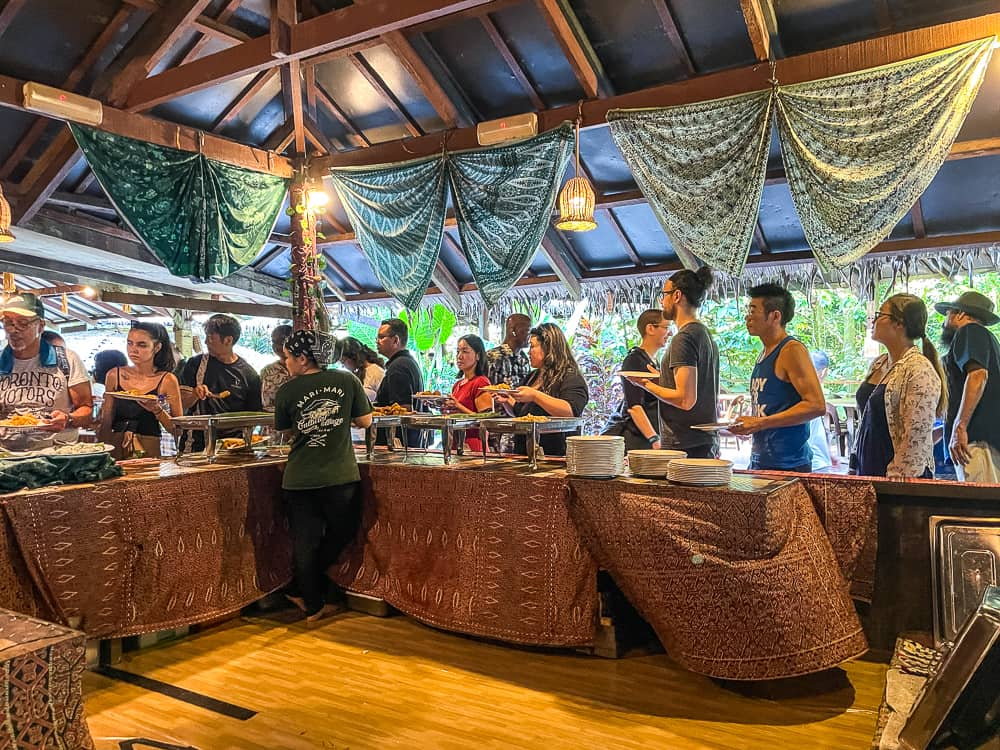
(705, 276)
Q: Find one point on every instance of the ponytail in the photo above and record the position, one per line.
(932, 354)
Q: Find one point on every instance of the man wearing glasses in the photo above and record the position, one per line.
(402, 373)
(39, 378)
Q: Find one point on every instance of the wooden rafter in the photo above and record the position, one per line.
(808, 67)
(579, 54)
(756, 23)
(227, 12)
(375, 81)
(627, 245)
(82, 67)
(429, 86)
(673, 32)
(50, 170)
(917, 215)
(150, 44)
(315, 134)
(560, 265)
(883, 16)
(508, 55)
(291, 93)
(163, 133)
(342, 273)
(330, 31)
(760, 239)
(9, 12)
(278, 140)
(447, 284)
(309, 82)
(354, 133)
(203, 305)
(260, 81)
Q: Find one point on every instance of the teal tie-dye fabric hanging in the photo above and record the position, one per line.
(503, 204)
(397, 213)
(202, 218)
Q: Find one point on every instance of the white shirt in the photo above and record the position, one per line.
(30, 387)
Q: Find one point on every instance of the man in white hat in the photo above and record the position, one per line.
(972, 367)
(40, 378)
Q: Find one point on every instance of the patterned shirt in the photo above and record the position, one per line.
(272, 377)
(506, 366)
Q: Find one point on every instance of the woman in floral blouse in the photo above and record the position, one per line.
(902, 394)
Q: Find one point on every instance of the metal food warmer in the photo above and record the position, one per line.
(213, 425)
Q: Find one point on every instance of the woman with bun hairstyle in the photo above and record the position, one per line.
(688, 387)
(364, 362)
(903, 392)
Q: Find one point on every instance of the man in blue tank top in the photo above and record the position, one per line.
(784, 389)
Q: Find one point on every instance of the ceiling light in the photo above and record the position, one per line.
(576, 199)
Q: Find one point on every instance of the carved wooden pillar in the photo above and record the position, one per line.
(304, 269)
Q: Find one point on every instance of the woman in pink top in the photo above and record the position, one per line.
(466, 395)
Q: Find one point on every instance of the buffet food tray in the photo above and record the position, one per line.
(530, 429)
(213, 424)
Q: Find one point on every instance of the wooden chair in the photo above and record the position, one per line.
(838, 431)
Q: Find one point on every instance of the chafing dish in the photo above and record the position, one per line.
(215, 424)
(448, 424)
(530, 429)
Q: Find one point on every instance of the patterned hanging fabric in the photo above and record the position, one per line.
(701, 166)
(503, 204)
(202, 218)
(859, 149)
(397, 212)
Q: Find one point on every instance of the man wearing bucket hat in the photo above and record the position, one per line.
(38, 377)
(972, 367)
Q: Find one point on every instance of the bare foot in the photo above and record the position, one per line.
(327, 610)
(298, 601)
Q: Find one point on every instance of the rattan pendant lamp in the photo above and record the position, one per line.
(576, 199)
(5, 233)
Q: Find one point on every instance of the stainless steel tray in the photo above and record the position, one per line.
(232, 420)
(513, 426)
(965, 559)
(440, 421)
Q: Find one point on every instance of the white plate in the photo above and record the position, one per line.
(498, 391)
(638, 374)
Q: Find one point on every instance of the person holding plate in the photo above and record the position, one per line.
(555, 388)
(467, 395)
(49, 382)
(133, 425)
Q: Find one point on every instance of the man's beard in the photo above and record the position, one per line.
(947, 335)
(669, 312)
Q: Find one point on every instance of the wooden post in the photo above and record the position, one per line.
(304, 269)
(182, 331)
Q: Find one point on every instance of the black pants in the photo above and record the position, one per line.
(703, 451)
(323, 522)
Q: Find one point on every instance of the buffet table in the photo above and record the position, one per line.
(748, 582)
(140, 554)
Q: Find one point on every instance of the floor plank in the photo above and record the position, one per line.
(361, 682)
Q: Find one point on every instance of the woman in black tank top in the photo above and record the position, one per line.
(134, 426)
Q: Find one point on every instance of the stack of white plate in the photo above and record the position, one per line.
(652, 463)
(705, 472)
(595, 455)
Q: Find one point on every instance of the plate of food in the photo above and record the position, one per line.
(500, 389)
(132, 395)
(23, 422)
(239, 444)
(639, 374)
(393, 410)
(76, 450)
(531, 418)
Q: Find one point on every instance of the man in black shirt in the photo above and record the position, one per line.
(972, 367)
(402, 373)
(689, 374)
(221, 382)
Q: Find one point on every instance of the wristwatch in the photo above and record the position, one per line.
(653, 440)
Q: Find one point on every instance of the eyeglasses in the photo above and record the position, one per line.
(18, 323)
(385, 336)
(874, 318)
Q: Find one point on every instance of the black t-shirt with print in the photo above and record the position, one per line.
(239, 378)
(974, 345)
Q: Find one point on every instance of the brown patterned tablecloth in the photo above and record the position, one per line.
(488, 553)
(137, 555)
(737, 585)
(42, 703)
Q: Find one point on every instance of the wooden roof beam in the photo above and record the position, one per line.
(507, 54)
(354, 134)
(808, 67)
(429, 86)
(291, 93)
(199, 305)
(561, 265)
(227, 12)
(756, 23)
(447, 285)
(917, 215)
(69, 83)
(330, 31)
(9, 12)
(260, 81)
(619, 230)
(563, 23)
(395, 105)
(673, 33)
(315, 134)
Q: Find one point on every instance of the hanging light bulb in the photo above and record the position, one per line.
(316, 196)
(5, 233)
(577, 199)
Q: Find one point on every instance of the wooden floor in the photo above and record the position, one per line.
(364, 682)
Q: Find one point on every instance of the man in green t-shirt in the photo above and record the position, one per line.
(321, 480)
